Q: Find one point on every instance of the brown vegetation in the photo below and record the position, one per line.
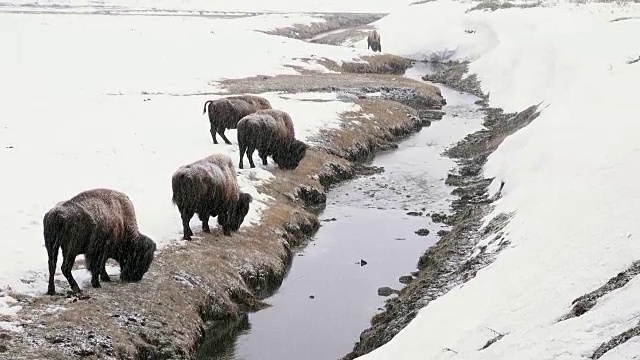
(378, 64)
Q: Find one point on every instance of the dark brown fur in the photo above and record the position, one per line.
(373, 41)
(101, 224)
(209, 188)
(270, 132)
(225, 113)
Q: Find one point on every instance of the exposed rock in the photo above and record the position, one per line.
(386, 291)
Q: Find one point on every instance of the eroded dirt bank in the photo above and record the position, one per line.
(220, 279)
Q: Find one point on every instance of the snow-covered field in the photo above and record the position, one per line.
(570, 177)
(251, 6)
(112, 101)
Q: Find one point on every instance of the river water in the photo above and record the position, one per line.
(329, 294)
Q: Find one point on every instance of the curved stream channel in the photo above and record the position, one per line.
(329, 296)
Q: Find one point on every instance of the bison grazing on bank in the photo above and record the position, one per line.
(209, 188)
(100, 224)
(373, 41)
(226, 112)
(271, 133)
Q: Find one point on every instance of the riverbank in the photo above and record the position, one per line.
(220, 278)
(453, 260)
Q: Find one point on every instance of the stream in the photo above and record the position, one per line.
(330, 293)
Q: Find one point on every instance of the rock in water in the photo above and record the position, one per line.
(422, 232)
(405, 279)
(386, 291)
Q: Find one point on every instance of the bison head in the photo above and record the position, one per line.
(137, 258)
(231, 219)
(289, 156)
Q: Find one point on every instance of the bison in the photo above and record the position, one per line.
(270, 132)
(208, 187)
(226, 112)
(101, 224)
(373, 41)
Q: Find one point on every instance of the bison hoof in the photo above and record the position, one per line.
(96, 284)
(105, 278)
(253, 166)
(186, 237)
(208, 231)
(228, 142)
(51, 292)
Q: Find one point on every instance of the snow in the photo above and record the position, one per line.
(250, 6)
(570, 180)
(116, 101)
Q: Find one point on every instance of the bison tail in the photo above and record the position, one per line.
(54, 225)
(206, 103)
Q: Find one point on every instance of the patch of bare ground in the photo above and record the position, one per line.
(494, 5)
(216, 280)
(456, 258)
(344, 37)
(455, 75)
(418, 95)
(331, 22)
(378, 64)
(587, 301)
(616, 341)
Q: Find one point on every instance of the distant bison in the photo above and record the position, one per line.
(226, 112)
(373, 41)
(101, 224)
(208, 187)
(271, 133)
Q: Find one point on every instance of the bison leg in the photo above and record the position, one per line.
(264, 159)
(250, 156)
(223, 220)
(186, 229)
(223, 136)
(243, 149)
(96, 258)
(103, 275)
(213, 133)
(204, 217)
(53, 262)
(67, 264)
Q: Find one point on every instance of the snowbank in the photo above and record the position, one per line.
(570, 178)
(116, 105)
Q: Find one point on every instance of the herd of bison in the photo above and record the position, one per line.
(102, 225)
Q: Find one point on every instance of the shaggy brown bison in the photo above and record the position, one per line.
(373, 41)
(101, 224)
(226, 112)
(270, 132)
(209, 188)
